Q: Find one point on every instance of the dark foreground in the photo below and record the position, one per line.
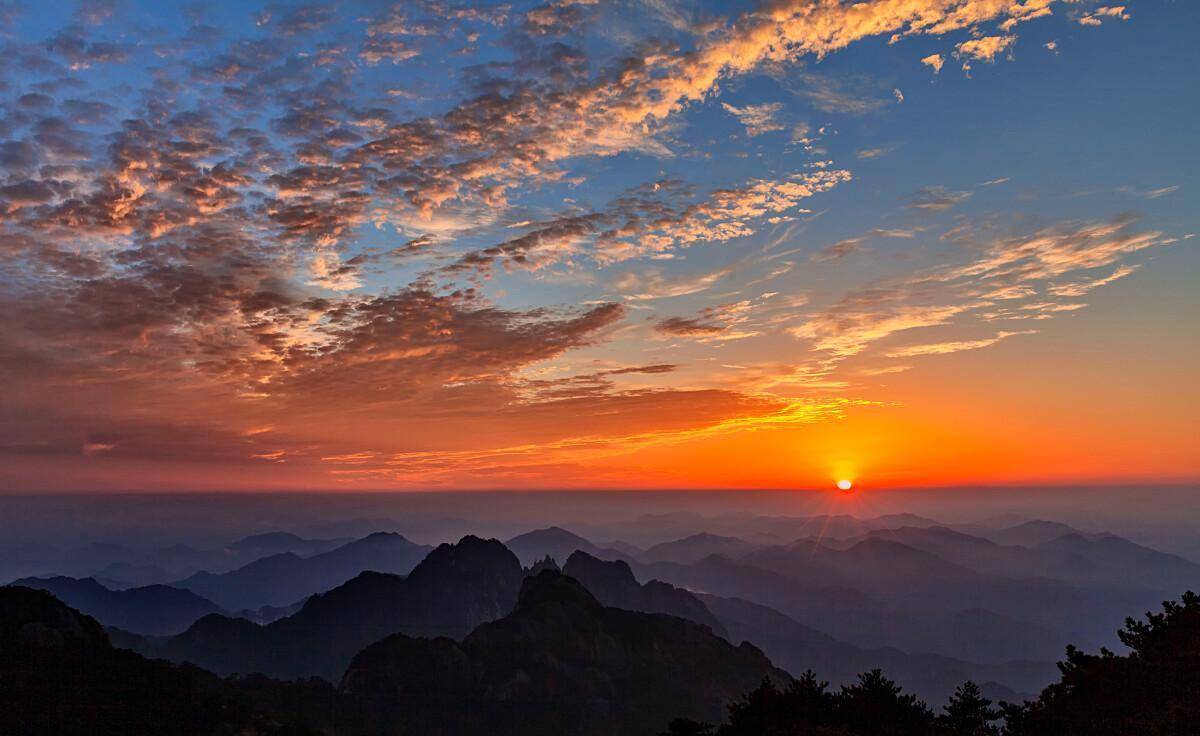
(562, 663)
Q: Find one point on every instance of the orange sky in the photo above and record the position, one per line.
(740, 246)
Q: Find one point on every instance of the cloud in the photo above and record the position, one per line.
(934, 61)
(943, 348)
(861, 318)
(757, 119)
(1079, 288)
(653, 283)
(250, 231)
(1097, 16)
(687, 326)
(986, 48)
(649, 222)
(872, 153)
(838, 250)
(714, 323)
(937, 199)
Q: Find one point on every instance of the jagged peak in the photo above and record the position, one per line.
(591, 566)
(468, 553)
(550, 588)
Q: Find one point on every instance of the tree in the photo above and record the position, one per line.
(969, 713)
(686, 727)
(876, 705)
(1152, 691)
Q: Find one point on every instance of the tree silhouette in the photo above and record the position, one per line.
(685, 727)
(1153, 691)
(877, 705)
(969, 713)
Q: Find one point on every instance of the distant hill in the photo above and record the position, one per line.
(697, 547)
(274, 543)
(555, 542)
(613, 584)
(61, 676)
(1106, 558)
(1029, 533)
(283, 579)
(933, 677)
(154, 609)
(119, 566)
(561, 663)
(453, 590)
(913, 612)
(871, 564)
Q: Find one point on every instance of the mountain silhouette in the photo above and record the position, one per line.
(61, 676)
(696, 547)
(285, 578)
(454, 589)
(154, 609)
(561, 663)
(274, 543)
(1107, 558)
(1029, 533)
(933, 677)
(613, 584)
(1154, 690)
(557, 543)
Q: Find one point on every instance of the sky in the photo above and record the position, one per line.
(591, 244)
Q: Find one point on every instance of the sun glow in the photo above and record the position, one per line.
(844, 485)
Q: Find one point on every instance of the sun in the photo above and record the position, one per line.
(844, 485)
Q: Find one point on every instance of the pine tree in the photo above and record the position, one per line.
(688, 727)
(969, 713)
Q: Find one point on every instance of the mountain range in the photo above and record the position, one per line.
(153, 609)
(560, 663)
(287, 577)
(453, 590)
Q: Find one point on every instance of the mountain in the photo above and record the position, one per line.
(1106, 558)
(977, 553)
(871, 564)
(697, 547)
(275, 543)
(154, 609)
(933, 677)
(118, 566)
(1029, 533)
(613, 584)
(1100, 559)
(453, 590)
(916, 615)
(283, 579)
(557, 543)
(61, 676)
(561, 663)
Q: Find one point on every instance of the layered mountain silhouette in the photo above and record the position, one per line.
(934, 677)
(561, 663)
(1028, 533)
(154, 609)
(275, 543)
(696, 547)
(1098, 559)
(612, 582)
(556, 660)
(61, 676)
(285, 578)
(453, 590)
(1152, 691)
(930, 588)
(121, 566)
(556, 543)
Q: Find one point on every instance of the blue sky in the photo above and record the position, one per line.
(467, 244)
